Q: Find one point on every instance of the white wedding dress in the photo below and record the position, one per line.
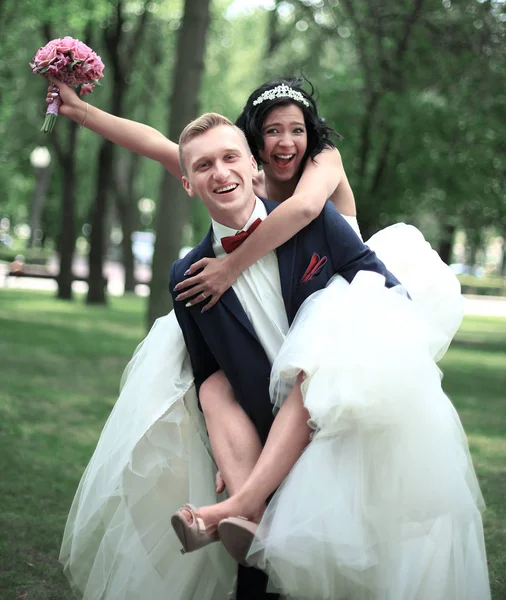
(382, 505)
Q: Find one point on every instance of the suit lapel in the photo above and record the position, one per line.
(229, 299)
(286, 263)
(232, 304)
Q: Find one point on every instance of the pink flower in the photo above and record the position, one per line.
(81, 51)
(70, 61)
(64, 44)
(52, 70)
(45, 55)
(87, 88)
(61, 61)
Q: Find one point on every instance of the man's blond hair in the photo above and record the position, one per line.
(202, 125)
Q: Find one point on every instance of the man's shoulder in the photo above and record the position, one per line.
(329, 224)
(270, 205)
(331, 216)
(319, 221)
(328, 213)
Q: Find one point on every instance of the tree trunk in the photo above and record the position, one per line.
(274, 35)
(66, 154)
(472, 254)
(446, 242)
(502, 265)
(127, 169)
(68, 238)
(96, 288)
(128, 255)
(42, 179)
(173, 205)
(120, 67)
(67, 241)
(502, 268)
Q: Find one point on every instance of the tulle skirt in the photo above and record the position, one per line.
(152, 457)
(384, 503)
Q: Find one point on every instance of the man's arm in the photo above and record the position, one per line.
(349, 254)
(203, 362)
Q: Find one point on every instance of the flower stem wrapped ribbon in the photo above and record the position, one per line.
(72, 62)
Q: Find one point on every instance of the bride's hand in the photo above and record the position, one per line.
(213, 280)
(70, 100)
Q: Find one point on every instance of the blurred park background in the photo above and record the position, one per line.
(87, 230)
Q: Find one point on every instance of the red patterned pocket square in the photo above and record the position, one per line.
(314, 268)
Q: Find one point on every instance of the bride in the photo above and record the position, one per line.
(383, 503)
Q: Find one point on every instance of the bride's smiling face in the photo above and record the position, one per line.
(285, 142)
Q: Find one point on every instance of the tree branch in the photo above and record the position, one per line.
(138, 33)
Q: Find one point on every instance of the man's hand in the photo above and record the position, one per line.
(210, 284)
(220, 483)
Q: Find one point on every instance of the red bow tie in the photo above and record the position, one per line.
(231, 242)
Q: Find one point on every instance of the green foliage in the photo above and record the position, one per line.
(32, 256)
(416, 88)
(484, 286)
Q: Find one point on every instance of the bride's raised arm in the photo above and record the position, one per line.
(137, 137)
(320, 181)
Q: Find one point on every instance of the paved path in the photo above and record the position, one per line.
(491, 306)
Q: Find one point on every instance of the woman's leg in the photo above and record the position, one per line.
(288, 437)
(234, 439)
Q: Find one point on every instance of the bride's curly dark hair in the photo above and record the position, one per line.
(252, 117)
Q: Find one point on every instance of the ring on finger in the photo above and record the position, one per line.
(203, 296)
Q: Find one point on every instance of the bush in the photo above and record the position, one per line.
(484, 286)
(33, 256)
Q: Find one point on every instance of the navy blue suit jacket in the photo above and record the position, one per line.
(224, 338)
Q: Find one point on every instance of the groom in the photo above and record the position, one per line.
(244, 331)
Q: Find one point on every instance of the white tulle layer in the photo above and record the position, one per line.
(152, 457)
(384, 503)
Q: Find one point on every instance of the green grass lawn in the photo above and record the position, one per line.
(60, 369)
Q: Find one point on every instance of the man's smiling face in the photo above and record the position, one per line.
(220, 172)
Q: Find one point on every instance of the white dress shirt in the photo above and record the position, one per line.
(258, 289)
(354, 225)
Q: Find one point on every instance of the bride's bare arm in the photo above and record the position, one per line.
(137, 137)
(318, 183)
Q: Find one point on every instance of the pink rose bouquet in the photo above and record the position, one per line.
(71, 62)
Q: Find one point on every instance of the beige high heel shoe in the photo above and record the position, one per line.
(236, 534)
(192, 536)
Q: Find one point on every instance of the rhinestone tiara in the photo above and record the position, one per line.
(281, 91)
